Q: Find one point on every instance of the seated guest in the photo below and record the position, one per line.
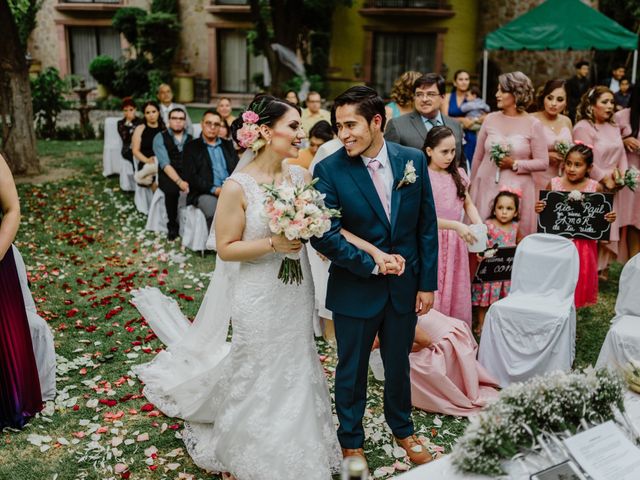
(292, 97)
(623, 96)
(224, 109)
(224, 130)
(320, 133)
(142, 143)
(165, 97)
(126, 125)
(208, 161)
(313, 113)
(168, 147)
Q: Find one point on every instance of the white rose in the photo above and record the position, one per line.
(287, 193)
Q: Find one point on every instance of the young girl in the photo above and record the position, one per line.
(577, 165)
(450, 192)
(502, 231)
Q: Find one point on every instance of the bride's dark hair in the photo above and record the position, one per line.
(269, 109)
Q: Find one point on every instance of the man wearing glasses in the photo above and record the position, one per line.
(168, 147)
(208, 161)
(411, 128)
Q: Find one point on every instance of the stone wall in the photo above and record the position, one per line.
(539, 66)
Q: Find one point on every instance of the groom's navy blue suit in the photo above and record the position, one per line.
(365, 304)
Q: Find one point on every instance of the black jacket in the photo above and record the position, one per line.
(197, 166)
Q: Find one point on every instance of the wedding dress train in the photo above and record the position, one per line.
(257, 407)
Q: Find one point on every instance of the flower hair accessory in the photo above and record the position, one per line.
(516, 191)
(249, 135)
(579, 142)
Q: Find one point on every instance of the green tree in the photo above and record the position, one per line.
(301, 26)
(17, 135)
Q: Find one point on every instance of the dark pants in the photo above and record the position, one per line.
(355, 337)
(171, 197)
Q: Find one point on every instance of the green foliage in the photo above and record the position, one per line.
(75, 132)
(316, 83)
(125, 21)
(132, 79)
(47, 92)
(103, 68)
(159, 35)
(24, 14)
(164, 6)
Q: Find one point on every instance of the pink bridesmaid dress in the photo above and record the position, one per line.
(446, 378)
(629, 201)
(525, 136)
(543, 178)
(608, 154)
(453, 297)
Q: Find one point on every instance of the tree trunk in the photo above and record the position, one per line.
(18, 139)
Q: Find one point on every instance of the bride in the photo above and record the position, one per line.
(259, 407)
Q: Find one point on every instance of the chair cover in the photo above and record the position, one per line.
(532, 331)
(127, 183)
(142, 197)
(157, 218)
(622, 342)
(112, 148)
(41, 336)
(193, 228)
(197, 130)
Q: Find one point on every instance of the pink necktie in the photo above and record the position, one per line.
(378, 182)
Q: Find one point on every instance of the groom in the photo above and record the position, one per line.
(370, 181)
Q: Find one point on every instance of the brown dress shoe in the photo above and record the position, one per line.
(355, 452)
(416, 451)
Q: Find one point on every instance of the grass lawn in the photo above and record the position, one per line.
(86, 249)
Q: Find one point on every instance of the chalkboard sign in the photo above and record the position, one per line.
(496, 268)
(576, 218)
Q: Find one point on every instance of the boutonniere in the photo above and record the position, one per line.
(409, 175)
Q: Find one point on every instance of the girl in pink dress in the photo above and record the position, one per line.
(524, 135)
(449, 184)
(595, 127)
(502, 231)
(578, 165)
(552, 101)
(628, 120)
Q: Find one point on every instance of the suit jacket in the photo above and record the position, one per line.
(409, 130)
(197, 166)
(412, 232)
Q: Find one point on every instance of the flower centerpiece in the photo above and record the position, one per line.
(498, 153)
(297, 212)
(552, 403)
(629, 179)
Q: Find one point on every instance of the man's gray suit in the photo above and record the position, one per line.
(409, 130)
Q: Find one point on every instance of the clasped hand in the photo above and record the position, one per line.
(389, 263)
(282, 244)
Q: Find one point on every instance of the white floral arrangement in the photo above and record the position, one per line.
(409, 176)
(498, 153)
(552, 403)
(297, 212)
(575, 196)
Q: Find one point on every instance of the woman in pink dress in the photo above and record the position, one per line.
(552, 101)
(449, 184)
(628, 120)
(523, 134)
(445, 375)
(596, 127)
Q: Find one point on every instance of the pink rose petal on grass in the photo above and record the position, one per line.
(120, 468)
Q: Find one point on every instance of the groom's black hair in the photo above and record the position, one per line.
(367, 101)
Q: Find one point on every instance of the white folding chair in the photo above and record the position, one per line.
(142, 196)
(112, 147)
(127, 183)
(622, 342)
(157, 218)
(533, 330)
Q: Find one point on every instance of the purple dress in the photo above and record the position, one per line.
(20, 396)
(453, 297)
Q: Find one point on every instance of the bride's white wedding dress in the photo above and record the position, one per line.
(261, 408)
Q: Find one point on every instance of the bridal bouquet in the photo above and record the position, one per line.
(497, 153)
(297, 212)
(629, 179)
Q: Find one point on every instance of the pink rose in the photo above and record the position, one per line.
(250, 117)
(246, 136)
